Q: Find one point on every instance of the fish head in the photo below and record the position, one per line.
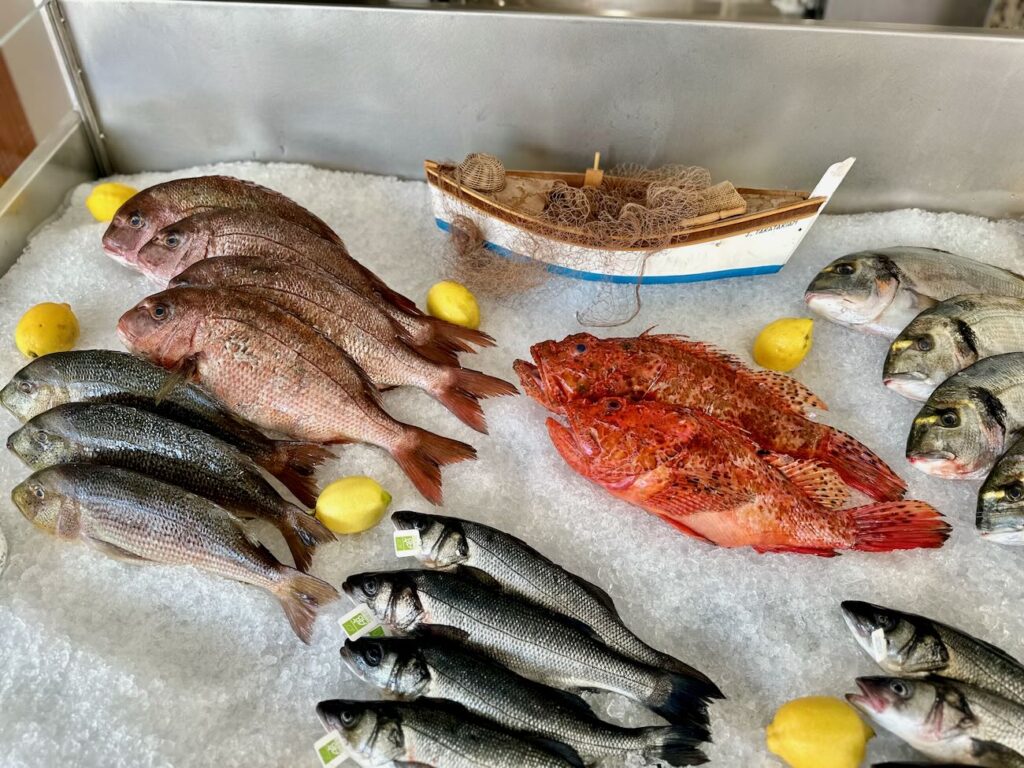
(956, 434)
(391, 664)
(46, 502)
(390, 595)
(36, 388)
(371, 729)
(923, 713)
(40, 443)
(442, 539)
(161, 327)
(579, 367)
(174, 248)
(924, 355)
(135, 222)
(853, 290)
(1000, 516)
(900, 643)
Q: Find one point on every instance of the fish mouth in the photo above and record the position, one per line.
(856, 614)
(912, 385)
(867, 699)
(1007, 535)
(943, 464)
(529, 377)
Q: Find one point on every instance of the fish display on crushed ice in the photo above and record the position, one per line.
(711, 481)
(166, 450)
(413, 669)
(526, 638)
(1000, 516)
(435, 734)
(907, 645)
(881, 291)
(946, 720)
(970, 419)
(135, 518)
(152, 209)
(354, 325)
(676, 371)
(272, 369)
(102, 375)
(453, 543)
(951, 336)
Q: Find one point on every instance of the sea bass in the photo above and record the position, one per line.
(912, 646)
(152, 209)
(131, 438)
(881, 291)
(449, 543)
(105, 376)
(412, 669)
(528, 639)
(970, 419)
(677, 371)
(245, 233)
(1000, 515)
(355, 325)
(271, 368)
(949, 337)
(135, 518)
(946, 720)
(709, 480)
(434, 734)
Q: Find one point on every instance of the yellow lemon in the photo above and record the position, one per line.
(105, 199)
(352, 504)
(455, 303)
(818, 732)
(46, 328)
(783, 344)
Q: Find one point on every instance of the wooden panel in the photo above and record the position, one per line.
(16, 139)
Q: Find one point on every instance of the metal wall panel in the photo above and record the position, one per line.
(934, 117)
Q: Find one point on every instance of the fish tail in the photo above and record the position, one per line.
(463, 390)
(301, 597)
(303, 533)
(295, 465)
(682, 701)
(421, 455)
(673, 745)
(897, 525)
(859, 467)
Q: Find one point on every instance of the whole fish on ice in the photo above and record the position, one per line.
(677, 371)
(1000, 515)
(271, 368)
(881, 291)
(710, 480)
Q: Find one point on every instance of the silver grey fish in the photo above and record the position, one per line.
(132, 517)
(131, 438)
(449, 542)
(881, 291)
(949, 337)
(946, 720)
(413, 669)
(1000, 515)
(524, 637)
(970, 419)
(434, 734)
(912, 646)
(102, 375)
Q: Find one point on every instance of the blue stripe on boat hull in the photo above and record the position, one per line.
(501, 250)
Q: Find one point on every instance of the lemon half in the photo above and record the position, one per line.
(46, 328)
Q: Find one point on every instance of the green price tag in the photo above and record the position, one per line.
(331, 750)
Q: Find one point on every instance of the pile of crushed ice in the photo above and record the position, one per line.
(111, 664)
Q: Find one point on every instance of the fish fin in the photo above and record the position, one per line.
(859, 467)
(323, 230)
(674, 745)
(421, 454)
(796, 395)
(440, 632)
(114, 551)
(794, 551)
(407, 764)
(598, 594)
(301, 597)
(295, 465)
(462, 391)
(456, 338)
(570, 701)
(701, 349)
(482, 577)
(683, 701)
(303, 533)
(897, 525)
(184, 371)
(821, 484)
(560, 750)
(428, 351)
(982, 749)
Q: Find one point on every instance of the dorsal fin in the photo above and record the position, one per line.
(818, 482)
(792, 392)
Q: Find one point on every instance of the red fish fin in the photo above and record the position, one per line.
(456, 337)
(795, 551)
(302, 597)
(421, 455)
(394, 298)
(789, 390)
(859, 467)
(819, 483)
(702, 349)
(184, 371)
(898, 525)
(295, 465)
(463, 391)
(320, 226)
(426, 350)
(303, 533)
(685, 529)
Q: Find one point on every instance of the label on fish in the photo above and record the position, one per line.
(360, 622)
(878, 645)
(407, 543)
(331, 750)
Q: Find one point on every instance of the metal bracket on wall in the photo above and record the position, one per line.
(76, 77)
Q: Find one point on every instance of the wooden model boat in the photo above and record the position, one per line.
(755, 238)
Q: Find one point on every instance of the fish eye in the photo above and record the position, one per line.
(371, 586)
(885, 621)
(845, 269)
(925, 344)
(581, 348)
(159, 311)
(900, 688)
(27, 387)
(614, 405)
(1014, 491)
(135, 221)
(374, 654)
(173, 240)
(949, 419)
(38, 492)
(347, 717)
(420, 524)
